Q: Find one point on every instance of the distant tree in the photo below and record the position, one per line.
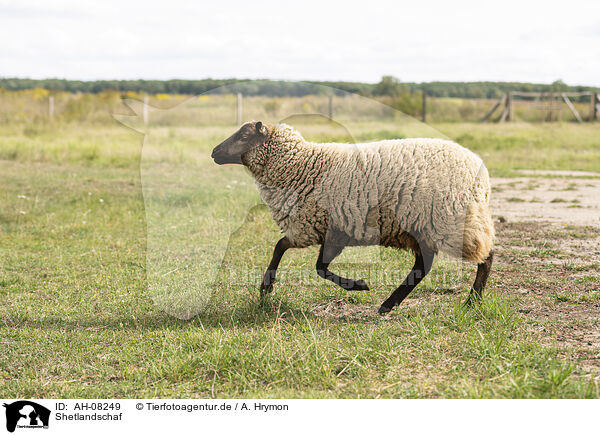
(559, 86)
(389, 86)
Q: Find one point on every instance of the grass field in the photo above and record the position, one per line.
(77, 318)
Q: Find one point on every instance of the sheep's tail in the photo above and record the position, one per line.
(478, 238)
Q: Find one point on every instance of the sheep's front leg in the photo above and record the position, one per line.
(326, 255)
(269, 278)
(421, 268)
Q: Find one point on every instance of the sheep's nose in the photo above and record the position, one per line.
(217, 156)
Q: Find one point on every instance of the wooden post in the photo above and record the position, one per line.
(504, 114)
(239, 109)
(145, 110)
(331, 107)
(424, 107)
(595, 108)
(51, 108)
(499, 103)
(509, 105)
(572, 108)
(506, 108)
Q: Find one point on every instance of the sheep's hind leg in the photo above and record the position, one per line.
(483, 271)
(269, 278)
(326, 255)
(422, 266)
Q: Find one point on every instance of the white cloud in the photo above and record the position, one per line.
(415, 41)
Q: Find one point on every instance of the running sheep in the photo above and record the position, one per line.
(422, 195)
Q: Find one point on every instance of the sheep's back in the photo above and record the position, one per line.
(427, 186)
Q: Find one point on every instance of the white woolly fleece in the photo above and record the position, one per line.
(391, 193)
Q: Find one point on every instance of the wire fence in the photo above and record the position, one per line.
(42, 106)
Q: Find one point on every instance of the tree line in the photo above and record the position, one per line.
(388, 86)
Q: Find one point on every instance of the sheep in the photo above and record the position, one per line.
(422, 195)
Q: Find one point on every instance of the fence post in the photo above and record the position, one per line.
(239, 109)
(424, 114)
(595, 104)
(145, 110)
(509, 104)
(331, 107)
(51, 108)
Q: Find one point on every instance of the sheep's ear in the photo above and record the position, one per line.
(260, 128)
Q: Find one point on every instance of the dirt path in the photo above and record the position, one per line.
(548, 253)
(571, 201)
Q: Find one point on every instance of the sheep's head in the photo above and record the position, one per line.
(249, 136)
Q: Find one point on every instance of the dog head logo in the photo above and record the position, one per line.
(26, 414)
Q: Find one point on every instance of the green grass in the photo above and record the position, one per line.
(504, 148)
(77, 318)
(513, 146)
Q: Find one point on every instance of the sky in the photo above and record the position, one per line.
(420, 40)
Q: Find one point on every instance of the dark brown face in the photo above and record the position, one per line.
(231, 150)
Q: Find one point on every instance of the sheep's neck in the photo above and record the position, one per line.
(283, 165)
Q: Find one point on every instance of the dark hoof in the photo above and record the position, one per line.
(359, 286)
(265, 289)
(471, 302)
(384, 310)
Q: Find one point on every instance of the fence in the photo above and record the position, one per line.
(58, 107)
(548, 102)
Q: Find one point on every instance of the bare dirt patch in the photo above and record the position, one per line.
(342, 309)
(573, 201)
(548, 253)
